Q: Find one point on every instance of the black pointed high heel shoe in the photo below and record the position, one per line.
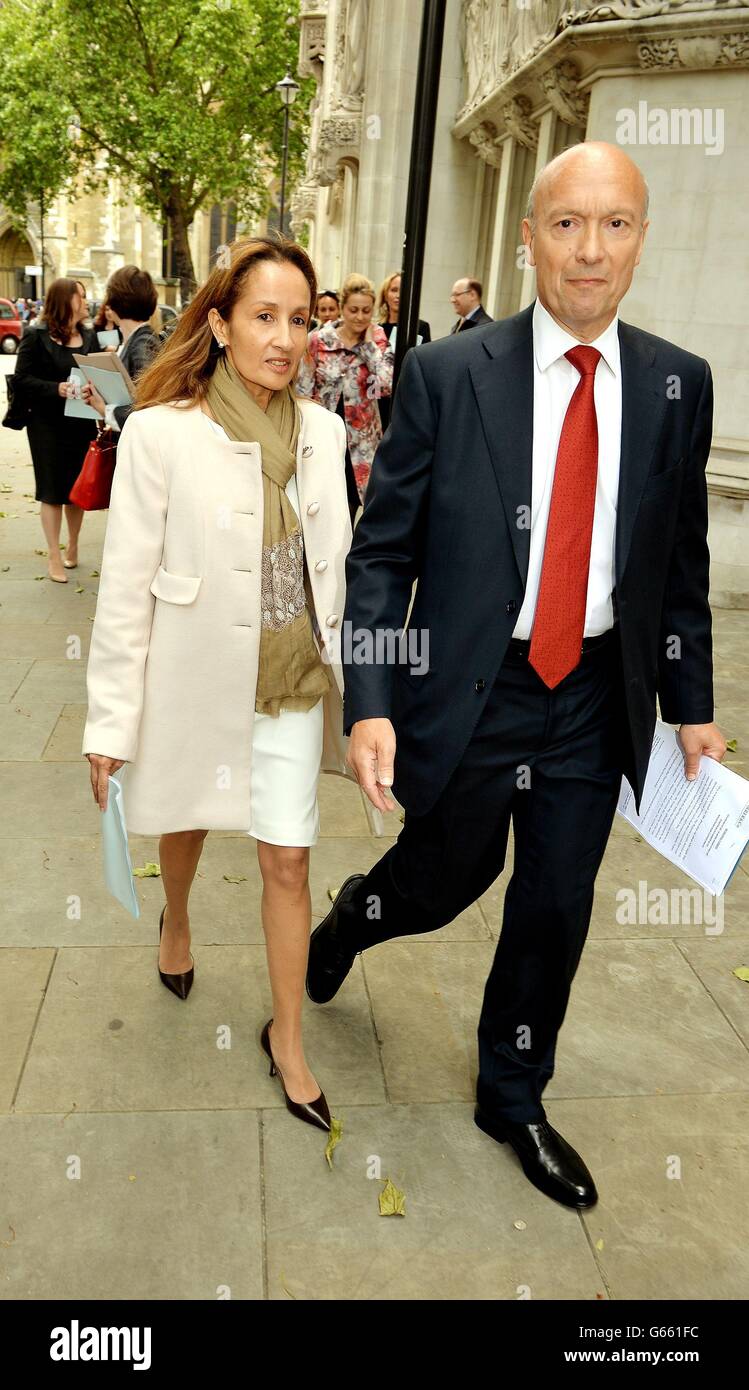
(178, 984)
(315, 1112)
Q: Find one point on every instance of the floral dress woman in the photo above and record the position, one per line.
(350, 381)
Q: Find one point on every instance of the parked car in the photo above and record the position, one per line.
(11, 327)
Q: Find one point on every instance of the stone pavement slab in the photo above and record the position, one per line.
(166, 1206)
(111, 1037)
(458, 1240)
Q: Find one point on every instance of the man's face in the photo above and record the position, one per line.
(462, 299)
(586, 242)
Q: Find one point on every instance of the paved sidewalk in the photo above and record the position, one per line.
(194, 1179)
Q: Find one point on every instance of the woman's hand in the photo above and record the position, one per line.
(66, 388)
(91, 396)
(101, 768)
(369, 336)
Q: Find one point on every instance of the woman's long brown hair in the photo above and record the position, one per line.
(185, 364)
(57, 314)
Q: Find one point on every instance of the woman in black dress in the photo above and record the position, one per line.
(58, 442)
(388, 304)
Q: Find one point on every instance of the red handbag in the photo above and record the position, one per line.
(92, 488)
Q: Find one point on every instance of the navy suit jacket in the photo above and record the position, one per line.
(448, 481)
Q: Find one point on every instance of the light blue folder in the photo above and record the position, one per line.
(118, 869)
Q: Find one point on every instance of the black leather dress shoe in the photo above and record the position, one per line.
(548, 1161)
(331, 954)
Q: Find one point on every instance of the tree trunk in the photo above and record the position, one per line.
(182, 254)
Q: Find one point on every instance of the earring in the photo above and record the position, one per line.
(219, 344)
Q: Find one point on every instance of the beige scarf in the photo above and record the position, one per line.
(291, 673)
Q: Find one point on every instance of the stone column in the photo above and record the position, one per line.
(491, 292)
(544, 152)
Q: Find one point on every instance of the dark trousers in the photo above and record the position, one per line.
(550, 760)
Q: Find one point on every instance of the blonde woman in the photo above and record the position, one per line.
(348, 367)
(214, 670)
(388, 306)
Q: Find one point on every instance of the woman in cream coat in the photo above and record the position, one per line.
(175, 668)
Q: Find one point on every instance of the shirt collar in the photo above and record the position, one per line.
(550, 341)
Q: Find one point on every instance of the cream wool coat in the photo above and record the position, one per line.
(172, 668)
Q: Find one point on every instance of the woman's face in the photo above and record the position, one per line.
(78, 305)
(357, 312)
(327, 309)
(110, 317)
(393, 295)
(266, 335)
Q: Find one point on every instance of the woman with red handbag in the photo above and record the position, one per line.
(58, 442)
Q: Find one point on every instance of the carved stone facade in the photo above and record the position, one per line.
(521, 81)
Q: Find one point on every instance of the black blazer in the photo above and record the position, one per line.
(139, 350)
(479, 317)
(442, 506)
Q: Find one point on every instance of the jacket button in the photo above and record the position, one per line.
(479, 686)
(321, 565)
(511, 606)
(332, 621)
(313, 509)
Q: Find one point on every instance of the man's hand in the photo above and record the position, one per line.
(371, 755)
(101, 767)
(696, 739)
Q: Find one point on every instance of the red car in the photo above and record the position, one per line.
(11, 327)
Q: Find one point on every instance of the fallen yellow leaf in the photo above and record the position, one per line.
(336, 1130)
(392, 1200)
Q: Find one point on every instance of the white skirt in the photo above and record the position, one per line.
(286, 756)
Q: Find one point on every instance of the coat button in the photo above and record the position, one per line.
(511, 606)
(313, 509)
(479, 686)
(332, 621)
(321, 565)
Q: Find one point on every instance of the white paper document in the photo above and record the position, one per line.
(118, 869)
(703, 826)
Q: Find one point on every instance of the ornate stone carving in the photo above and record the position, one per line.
(694, 51)
(480, 24)
(517, 118)
(734, 48)
(499, 37)
(350, 54)
(561, 87)
(339, 132)
(312, 43)
(485, 142)
(658, 53)
(303, 206)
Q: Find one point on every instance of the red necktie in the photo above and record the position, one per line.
(559, 623)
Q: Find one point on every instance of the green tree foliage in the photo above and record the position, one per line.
(173, 96)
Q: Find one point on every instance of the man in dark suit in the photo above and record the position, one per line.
(465, 298)
(544, 481)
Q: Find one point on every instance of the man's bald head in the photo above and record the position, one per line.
(596, 158)
(584, 234)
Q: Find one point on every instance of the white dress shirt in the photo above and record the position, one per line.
(109, 410)
(554, 382)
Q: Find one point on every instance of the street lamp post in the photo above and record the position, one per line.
(287, 89)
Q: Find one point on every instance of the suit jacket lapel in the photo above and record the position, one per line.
(643, 408)
(503, 383)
